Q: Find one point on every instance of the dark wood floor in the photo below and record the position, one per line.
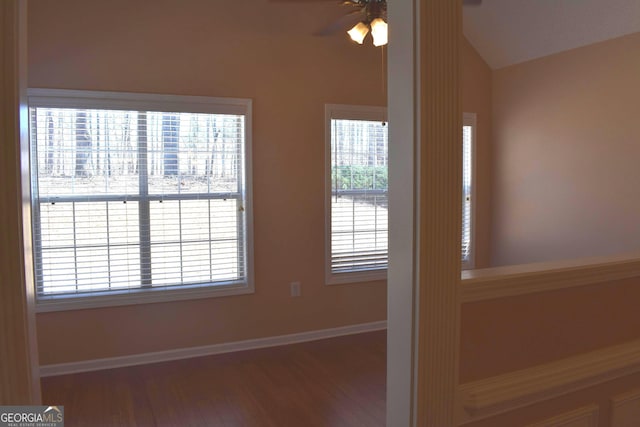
(334, 382)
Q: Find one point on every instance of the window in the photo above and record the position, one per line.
(357, 209)
(139, 198)
(468, 192)
(357, 230)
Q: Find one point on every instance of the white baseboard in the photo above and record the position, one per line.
(207, 350)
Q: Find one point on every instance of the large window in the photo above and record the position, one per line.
(357, 225)
(357, 207)
(139, 197)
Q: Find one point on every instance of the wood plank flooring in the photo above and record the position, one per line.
(338, 382)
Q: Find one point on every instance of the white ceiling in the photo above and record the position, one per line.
(507, 32)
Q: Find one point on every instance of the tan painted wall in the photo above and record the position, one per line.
(564, 176)
(566, 155)
(253, 49)
(241, 49)
(508, 334)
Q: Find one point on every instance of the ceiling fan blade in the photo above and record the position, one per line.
(471, 2)
(343, 23)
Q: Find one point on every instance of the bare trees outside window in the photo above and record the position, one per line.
(128, 199)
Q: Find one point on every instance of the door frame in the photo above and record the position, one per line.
(18, 349)
(425, 160)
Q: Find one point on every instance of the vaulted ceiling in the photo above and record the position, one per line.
(504, 32)
(507, 32)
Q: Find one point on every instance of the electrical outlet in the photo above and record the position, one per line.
(295, 289)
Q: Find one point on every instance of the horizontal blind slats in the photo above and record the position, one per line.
(359, 211)
(466, 191)
(131, 199)
(359, 207)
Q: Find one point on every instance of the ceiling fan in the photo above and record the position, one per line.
(367, 16)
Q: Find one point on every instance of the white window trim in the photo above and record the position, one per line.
(347, 112)
(154, 102)
(470, 119)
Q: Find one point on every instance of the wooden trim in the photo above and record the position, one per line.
(501, 282)
(25, 182)
(425, 160)
(401, 273)
(207, 350)
(503, 393)
(587, 416)
(439, 199)
(625, 409)
(18, 349)
(73, 98)
(140, 296)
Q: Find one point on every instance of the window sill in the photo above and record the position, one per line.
(134, 297)
(356, 277)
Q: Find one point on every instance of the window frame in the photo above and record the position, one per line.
(62, 98)
(345, 112)
(470, 119)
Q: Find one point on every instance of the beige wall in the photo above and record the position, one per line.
(508, 334)
(241, 49)
(252, 49)
(565, 163)
(564, 180)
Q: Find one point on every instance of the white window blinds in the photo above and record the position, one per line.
(130, 199)
(467, 190)
(358, 195)
(357, 216)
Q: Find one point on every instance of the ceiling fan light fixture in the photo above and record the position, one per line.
(358, 32)
(379, 32)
